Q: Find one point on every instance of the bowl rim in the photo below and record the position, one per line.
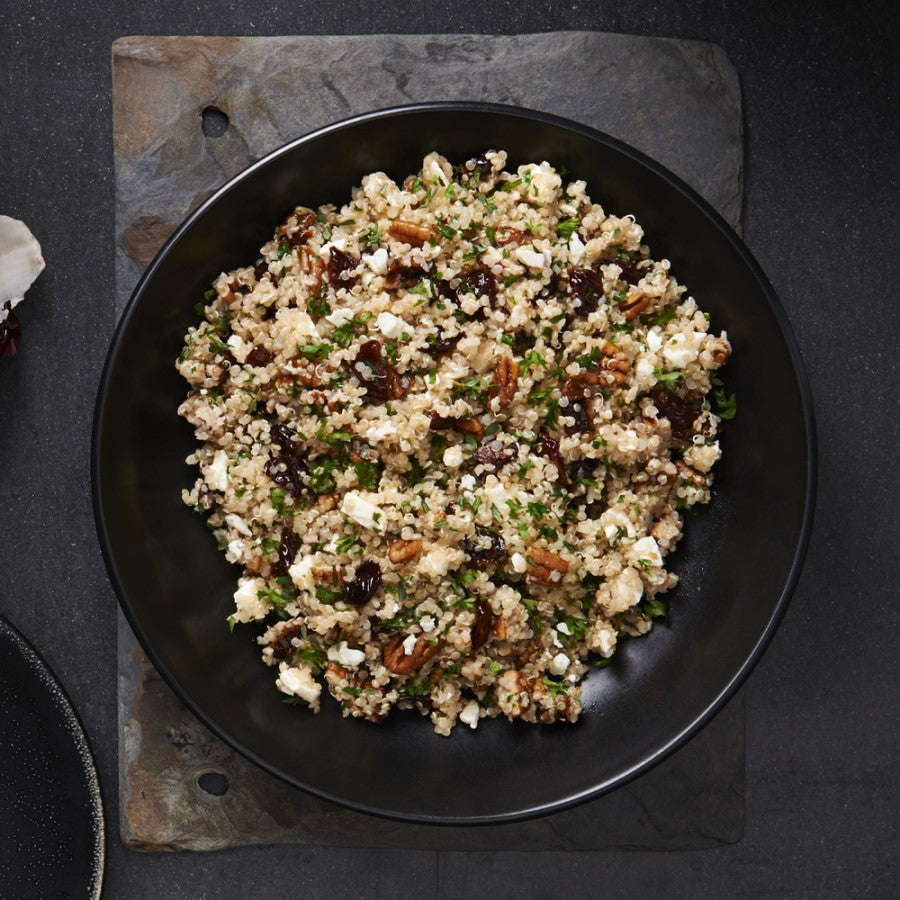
(651, 757)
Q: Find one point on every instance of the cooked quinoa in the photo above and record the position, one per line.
(448, 431)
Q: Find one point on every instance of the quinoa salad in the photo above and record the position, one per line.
(448, 431)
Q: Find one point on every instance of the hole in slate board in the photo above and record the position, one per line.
(214, 122)
(214, 783)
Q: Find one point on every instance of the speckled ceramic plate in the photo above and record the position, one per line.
(51, 814)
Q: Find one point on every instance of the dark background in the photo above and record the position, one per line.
(820, 215)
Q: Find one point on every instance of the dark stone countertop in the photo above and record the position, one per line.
(822, 733)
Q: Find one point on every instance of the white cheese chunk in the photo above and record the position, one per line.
(217, 471)
(453, 457)
(409, 644)
(362, 511)
(301, 572)
(576, 248)
(645, 548)
(377, 261)
(345, 656)
(238, 524)
(678, 352)
(654, 340)
(559, 664)
(469, 715)
(625, 589)
(339, 316)
(427, 624)
(381, 431)
(530, 257)
(606, 642)
(390, 326)
(519, 563)
(298, 682)
(246, 600)
(337, 243)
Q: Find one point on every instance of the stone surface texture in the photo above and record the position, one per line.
(678, 101)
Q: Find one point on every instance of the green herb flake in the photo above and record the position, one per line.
(662, 317)
(726, 406)
(270, 545)
(655, 608)
(486, 202)
(669, 379)
(567, 228)
(315, 352)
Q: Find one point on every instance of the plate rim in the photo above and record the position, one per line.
(650, 758)
(62, 701)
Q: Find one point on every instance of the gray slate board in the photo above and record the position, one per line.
(678, 101)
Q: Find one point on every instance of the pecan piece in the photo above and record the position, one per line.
(409, 232)
(403, 551)
(634, 305)
(333, 576)
(504, 380)
(312, 264)
(463, 426)
(482, 624)
(721, 350)
(541, 564)
(400, 662)
(326, 502)
(686, 473)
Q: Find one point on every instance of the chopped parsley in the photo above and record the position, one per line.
(662, 317)
(343, 334)
(314, 351)
(372, 234)
(557, 688)
(669, 379)
(342, 545)
(328, 595)
(655, 608)
(486, 202)
(726, 406)
(313, 656)
(318, 305)
(567, 228)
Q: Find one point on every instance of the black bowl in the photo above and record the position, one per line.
(739, 561)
